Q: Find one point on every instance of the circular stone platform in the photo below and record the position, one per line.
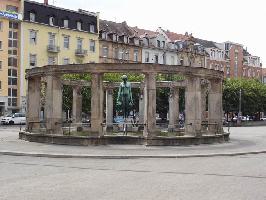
(136, 140)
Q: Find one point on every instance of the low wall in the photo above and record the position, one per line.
(133, 140)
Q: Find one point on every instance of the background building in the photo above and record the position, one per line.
(56, 36)
(118, 43)
(10, 31)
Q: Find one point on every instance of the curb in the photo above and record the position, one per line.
(46, 155)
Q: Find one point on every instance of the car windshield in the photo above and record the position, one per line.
(10, 115)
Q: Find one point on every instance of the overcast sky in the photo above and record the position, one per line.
(239, 21)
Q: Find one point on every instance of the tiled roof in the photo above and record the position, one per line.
(118, 28)
(141, 32)
(175, 36)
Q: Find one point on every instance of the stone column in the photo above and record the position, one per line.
(33, 104)
(109, 109)
(204, 89)
(215, 106)
(53, 105)
(77, 104)
(141, 106)
(96, 103)
(173, 108)
(150, 105)
(193, 107)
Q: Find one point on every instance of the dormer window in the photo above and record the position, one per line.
(66, 23)
(92, 28)
(125, 39)
(32, 17)
(136, 41)
(51, 21)
(79, 26)
(114, 38)
(163, 44)
(104, 35)
(158, 43)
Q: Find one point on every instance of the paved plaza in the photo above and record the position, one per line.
(204, 178)
(242, 140)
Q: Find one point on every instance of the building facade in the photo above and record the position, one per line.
(56, 36)
(10, 34)
(118, 44)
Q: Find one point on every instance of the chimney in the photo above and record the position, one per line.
(45, 2)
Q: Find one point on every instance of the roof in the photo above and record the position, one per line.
(118, 28)
(246, 53)
(175, 36)
(81, 12)
(141, 32)
(206, 43)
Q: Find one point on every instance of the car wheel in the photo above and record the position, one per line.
(11, 122)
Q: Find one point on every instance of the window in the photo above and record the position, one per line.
(125, 39)
(12, 8)
(136, 55)
(163, 44)
(79, 26)
(92, 45)
(33, 37)
(92, 28)
(13, 25)
(66, 42)
(1, 26)
(13, 35)
(12, 43)
(79, 43)
(105, 52)
(12, 73)
(120, 54)
(32, 17)
(158, 43)
(65, 61)
(172, 60)
(156, 58)
(1, 45)
(12, 62)
(66, 23)
(164, 58)
(51, 21)
(12, 81)
(33, 60)
(51, 60)
(104, 35)
(147, 57)
(126, 55)
(12, 102)
(51, 41)
(1, 63)
(12, 52)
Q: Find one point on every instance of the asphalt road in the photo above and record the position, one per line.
(28, 178)
(210, 178)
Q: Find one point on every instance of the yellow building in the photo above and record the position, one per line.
(10, 20)
(53, 35)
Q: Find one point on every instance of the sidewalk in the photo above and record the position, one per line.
(244, 140)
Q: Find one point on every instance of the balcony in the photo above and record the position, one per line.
(81, 52)
(53, 49)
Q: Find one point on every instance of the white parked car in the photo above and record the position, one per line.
(15, 118)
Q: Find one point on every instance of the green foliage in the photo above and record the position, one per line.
(253, 95)
(116, 77)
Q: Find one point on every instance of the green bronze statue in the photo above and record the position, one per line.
(124, 98)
